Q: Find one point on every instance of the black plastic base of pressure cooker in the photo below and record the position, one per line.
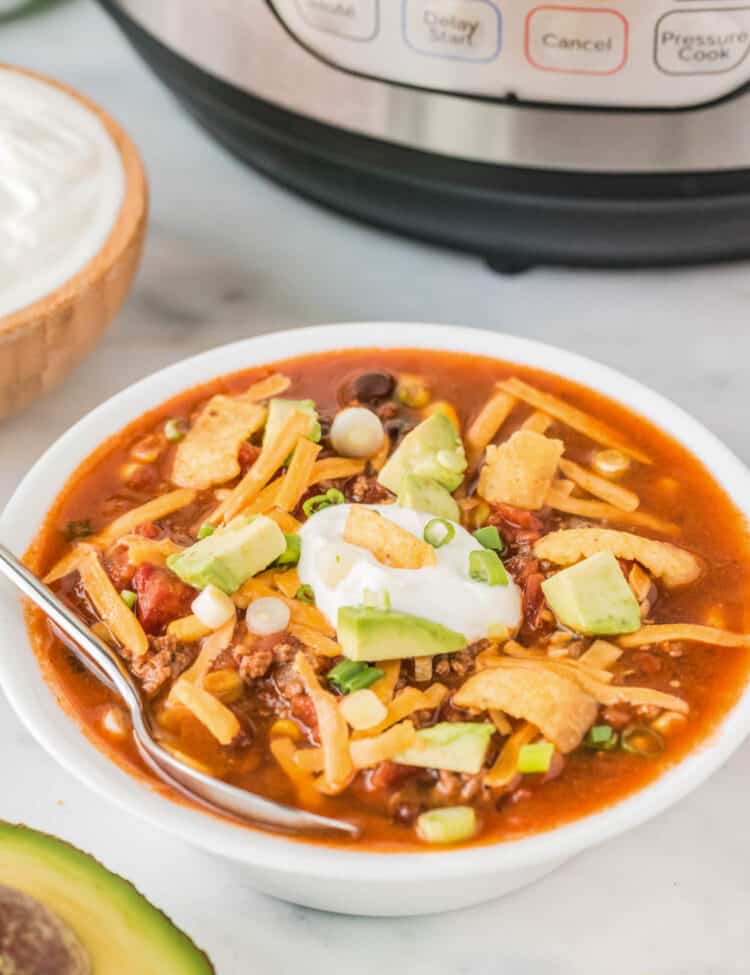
(515, 218)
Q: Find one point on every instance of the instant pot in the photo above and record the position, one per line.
(612, 133)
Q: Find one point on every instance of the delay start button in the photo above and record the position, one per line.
(460, 30)
(356, 20)
(702, 41)
(577, 40)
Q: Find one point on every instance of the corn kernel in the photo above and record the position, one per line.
(286, 728)
(448, 409)
(225, 684)
(413, 391)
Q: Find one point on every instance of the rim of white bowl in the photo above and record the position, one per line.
(35, 703)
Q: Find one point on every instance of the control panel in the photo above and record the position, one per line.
(624, 53)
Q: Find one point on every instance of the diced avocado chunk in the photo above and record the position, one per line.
(593, 597)
(451, 745)
(230, 556)
(278, 412)
(63, 912)
(368, 633)
(428, 495)
(433, 449)
(451, 824)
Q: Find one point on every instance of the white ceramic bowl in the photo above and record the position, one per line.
(316, 876)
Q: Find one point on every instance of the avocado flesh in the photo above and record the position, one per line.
(429, 496)
(120, 931)
(432, 449)
(367, 633)
(453, 746)
(593, 597)
(230, 556)
(280, 409)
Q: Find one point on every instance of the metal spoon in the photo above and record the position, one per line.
(108, 667)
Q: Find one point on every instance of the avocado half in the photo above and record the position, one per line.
(63, 913)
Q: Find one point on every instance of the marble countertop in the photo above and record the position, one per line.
(229, 255)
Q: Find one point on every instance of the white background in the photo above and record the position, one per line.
(230, 255)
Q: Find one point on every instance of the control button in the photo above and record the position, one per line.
(462, 30)
(354, 19)
(702, 41)
(577, 40)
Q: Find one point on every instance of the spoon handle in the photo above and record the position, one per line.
(111, 666)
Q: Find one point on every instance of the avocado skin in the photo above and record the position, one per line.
(230, 556)
(366, 633)
(429, 496)
(97, 904)
(593, 597)
(418, 453)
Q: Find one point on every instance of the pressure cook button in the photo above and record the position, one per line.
(354, 19)
(577, 40)
(463, 30)
(702, 41)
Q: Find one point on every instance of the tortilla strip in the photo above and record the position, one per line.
(336, 469)
(297, 477)
(188, 629)
(321, 644)
(488, 421)
(266, 388)
(571, 416)
(377, 461)
(271, 458)
(121, 621)
(537, 422)
(499, 720)
(211, 647)
(520, 471)
(406, 702)
(309, 759)
(550, 700)
(505, 768)
(601, 655)
(332, 727)
(599, 509)
(519, 652)
(288, 582)
(600, 487)
(374, 749)
(208, 454)
(286, 522)
(385, 687)
(391, 544)
(689, 632)
(674, 566)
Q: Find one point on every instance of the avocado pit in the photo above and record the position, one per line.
(34, 941)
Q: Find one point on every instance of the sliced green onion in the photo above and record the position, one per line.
(175, 430)
(485, 566)
(205, 530)
(490, 537)
(438, 532)
(305, 594)
(291, 554)
(77, 529)
(601, 738)
(129, 598)
(377, 598)
(320, 501)
(353, 675)
(535, 758)
(639, 739)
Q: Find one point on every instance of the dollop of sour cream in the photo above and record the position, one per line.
(341, 574)
(62, 185)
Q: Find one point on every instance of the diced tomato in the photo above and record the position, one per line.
(162, 597)
(119, 567)
(247, 455)
(525, 572)
(516, 525)
(148, 530)
(303, 708)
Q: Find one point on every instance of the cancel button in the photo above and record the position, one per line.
(576, 41)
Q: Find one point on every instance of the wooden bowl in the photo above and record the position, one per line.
(42, 342)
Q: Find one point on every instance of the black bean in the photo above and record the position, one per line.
(371, 386)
